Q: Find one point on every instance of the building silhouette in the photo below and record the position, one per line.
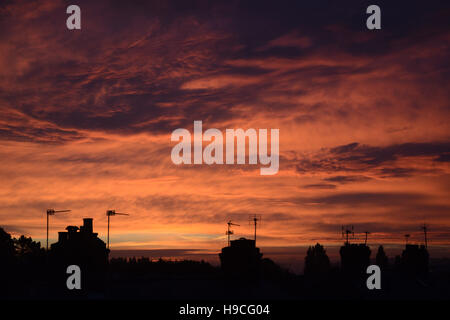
(415, 259)
(242, 259)
(82, 247)
(355, 258)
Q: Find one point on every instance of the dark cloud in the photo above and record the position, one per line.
(397, 172)
(444, 157)
(370, 199)
(345, 148)
(371, 155)
(130, 59)
(347, 179)
(320, 186)
(381, 161)
(41, 135)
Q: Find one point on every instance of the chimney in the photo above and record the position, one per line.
(71, 231)
(87, 225)
(62, 236)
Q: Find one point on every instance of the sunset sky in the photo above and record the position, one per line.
(86, 118)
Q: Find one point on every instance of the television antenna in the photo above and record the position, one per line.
(254, 219)
(229, 231)
(51, 212)
(367, 233)
(345, 231)
(406, 239)
(110, 213)
(425, 229)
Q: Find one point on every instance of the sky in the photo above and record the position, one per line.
(86, 118)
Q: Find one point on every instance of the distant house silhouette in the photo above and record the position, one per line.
(81, 246)
(415, 259)
(355, 258)
(242, 259)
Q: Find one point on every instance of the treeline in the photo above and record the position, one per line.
(22, 264)
(143, 265)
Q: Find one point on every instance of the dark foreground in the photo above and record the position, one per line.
(190, 280)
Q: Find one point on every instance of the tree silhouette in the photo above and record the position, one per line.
(316, 261)
(29, 252)
(26, 246)
(7, 262)
(381, 259)
(7, 249)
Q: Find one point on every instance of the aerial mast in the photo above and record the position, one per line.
(345, 233)
(51, 212)
(110, 213)
(425, 229)
(367, 233)
(229, 231)
(406, 239)
(254, 220)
